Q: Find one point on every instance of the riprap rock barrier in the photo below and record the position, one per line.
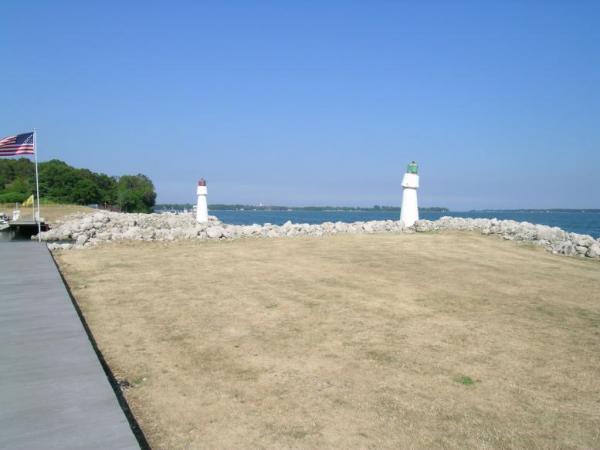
(88, 230)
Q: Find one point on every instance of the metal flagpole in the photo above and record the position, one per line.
(37, 185)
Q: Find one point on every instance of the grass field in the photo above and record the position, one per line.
(50, 213)
(365, 341)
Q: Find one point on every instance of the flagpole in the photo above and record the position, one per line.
(37, 185)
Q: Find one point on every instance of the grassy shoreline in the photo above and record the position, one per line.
(445, 340)
(50, 212)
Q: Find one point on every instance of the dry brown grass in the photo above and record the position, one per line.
(50, 213)
(373, 341)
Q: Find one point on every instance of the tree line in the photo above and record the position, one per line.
(62, 183)
(240, 207)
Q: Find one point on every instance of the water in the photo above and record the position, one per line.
(575, 222)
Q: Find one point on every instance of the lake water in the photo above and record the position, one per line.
(576, 222)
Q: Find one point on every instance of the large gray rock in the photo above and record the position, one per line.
(273, 233)
(81, 240)
(594, 250)
(582, 240)
(341, 227)
(251, 230)
(214, 232)
(426, 225)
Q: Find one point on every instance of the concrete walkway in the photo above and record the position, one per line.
(54, 393)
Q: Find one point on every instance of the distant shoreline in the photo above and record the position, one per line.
(241, 208)
(539, 210)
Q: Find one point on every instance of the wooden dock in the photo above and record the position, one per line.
(54, 393)
(27, 224)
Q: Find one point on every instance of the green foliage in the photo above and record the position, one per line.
(19, 185)
(135, 193)
(13, 197)
(61, 183)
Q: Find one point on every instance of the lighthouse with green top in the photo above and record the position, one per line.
(410, 183)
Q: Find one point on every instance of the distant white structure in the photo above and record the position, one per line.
(410, 207)
(202, 205)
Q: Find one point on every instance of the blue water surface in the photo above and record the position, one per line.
(576, 222)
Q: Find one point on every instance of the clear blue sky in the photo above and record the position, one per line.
(315, 102)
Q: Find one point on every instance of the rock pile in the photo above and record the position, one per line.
(87, 230)
(552, 239)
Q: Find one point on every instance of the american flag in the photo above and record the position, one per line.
(21, 144)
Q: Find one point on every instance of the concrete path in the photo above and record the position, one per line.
(54, 393)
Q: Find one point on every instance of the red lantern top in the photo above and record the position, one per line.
(202, 182)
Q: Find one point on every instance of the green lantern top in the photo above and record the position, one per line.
(412, 168)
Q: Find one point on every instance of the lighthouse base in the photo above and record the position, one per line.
(410, 209)
(202, 210)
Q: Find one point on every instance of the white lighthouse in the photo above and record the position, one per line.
(202, 206)
(410, 183)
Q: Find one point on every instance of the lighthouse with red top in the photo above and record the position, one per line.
(202, 205)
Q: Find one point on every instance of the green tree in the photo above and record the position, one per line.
(62, 183)
(135, 193)
(108, 188)
(85, 192)
(12, 169)
(16, 191)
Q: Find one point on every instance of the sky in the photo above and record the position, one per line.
(315, 102)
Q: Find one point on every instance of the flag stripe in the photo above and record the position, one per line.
(17, 150)
(30, 152)
(16, 153)
(15, 146)
(21, 144)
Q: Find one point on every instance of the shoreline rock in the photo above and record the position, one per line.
(89, 230)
